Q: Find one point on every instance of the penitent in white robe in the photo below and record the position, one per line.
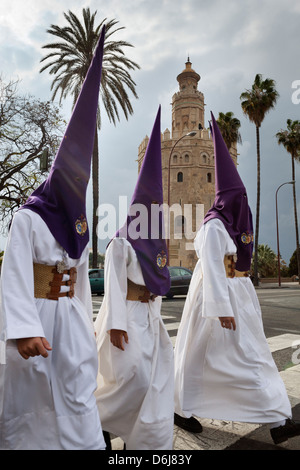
(221, 373)
(135, 394)
(46, 403)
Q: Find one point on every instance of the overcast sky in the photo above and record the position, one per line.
(228, 42)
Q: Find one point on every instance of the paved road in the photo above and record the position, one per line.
(281, 318)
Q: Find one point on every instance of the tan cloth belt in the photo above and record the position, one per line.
(48, 281)
(138, 293)
(230, 268)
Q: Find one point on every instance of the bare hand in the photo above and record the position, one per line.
(117, 337)
(30, 347)
(228, 322)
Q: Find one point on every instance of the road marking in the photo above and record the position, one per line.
(277, 343)
(171, 326)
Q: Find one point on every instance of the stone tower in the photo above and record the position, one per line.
(187, 167)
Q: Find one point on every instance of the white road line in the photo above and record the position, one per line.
(171, 326)
(276, 343)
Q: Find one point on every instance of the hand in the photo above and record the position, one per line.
(116, 338)
(228, 322)
(30, 347)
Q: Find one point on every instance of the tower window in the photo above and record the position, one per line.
(180, 177)
(208, 177)
(175, 159)
(186, 158)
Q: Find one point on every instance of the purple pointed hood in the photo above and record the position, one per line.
(231, 202)
(61, 199)
(144, 227)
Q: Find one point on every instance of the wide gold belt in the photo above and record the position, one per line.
(230, 268)
(138, 293)
(48, 281)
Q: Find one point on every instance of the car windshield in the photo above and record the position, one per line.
(96, 274)
(184, 272)
(177, 271)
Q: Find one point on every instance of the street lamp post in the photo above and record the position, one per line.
(190, 134)
(278, 251)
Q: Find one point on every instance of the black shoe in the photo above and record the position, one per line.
(106, 436)
(290, 429)
(189, 424)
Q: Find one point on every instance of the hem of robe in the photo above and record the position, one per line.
(74, 432)
(278, 408)
(259, 419)
(148, 437)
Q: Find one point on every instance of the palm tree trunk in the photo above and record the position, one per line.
(95, 181)
(296, 217)
(256, 280)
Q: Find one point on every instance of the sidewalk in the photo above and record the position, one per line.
(273, 285)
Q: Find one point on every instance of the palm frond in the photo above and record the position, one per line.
(259, 100)
(69, 58)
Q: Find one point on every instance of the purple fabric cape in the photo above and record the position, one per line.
(61, 199)
(146, 233)
(231, 201)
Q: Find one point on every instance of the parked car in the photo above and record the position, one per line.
(180, 281)
(96, 277)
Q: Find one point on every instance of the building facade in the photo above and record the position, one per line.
(187, 168)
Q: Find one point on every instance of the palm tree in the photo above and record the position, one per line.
(256, 103)
(229, 127)
(267, 261)
(290, 139)
(70, 58)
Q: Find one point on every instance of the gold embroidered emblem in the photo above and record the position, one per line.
(247, 238)
(161, 259)
(81, 225)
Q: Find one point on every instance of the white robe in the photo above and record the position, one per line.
(48, 403)
(221, 373)
(135, 394)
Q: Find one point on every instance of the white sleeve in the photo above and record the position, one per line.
(216, 300)
(115, 284)
(20, 317)
(82, 286)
